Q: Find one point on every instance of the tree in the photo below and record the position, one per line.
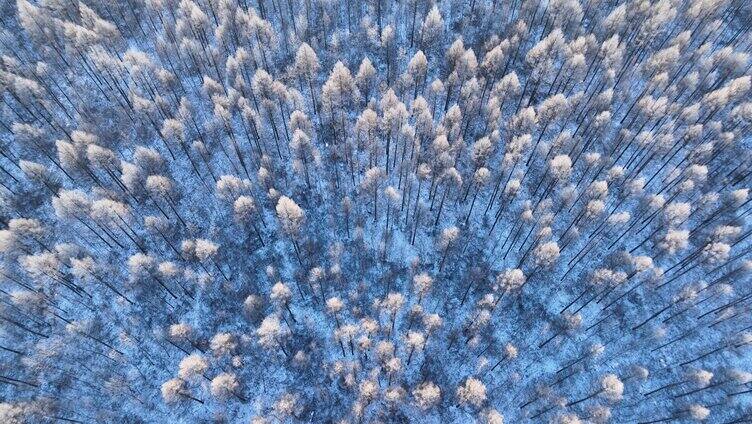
(427, 395)
(472, 392)
(224, 385)
(371, 181)
(546, 254)
(422, 284)
(448, 237)
(290, 217)
(415, 341)
(162, 188)
(174, 390)
(304, 152)
(338, 94)
(143, 267)
(431, 30)
(281, 295)
(306, 66)
(271, 334)
(417, 69)
(245, 211)
(612, 389)
(192, 367)
(287, 405)
(393, 198)
(509, 281)
(223, 344)
(365, 77)
(180, 332)
(392, 304)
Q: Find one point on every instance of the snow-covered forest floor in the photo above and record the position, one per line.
(263, 211)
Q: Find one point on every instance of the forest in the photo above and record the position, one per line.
(380, 211)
